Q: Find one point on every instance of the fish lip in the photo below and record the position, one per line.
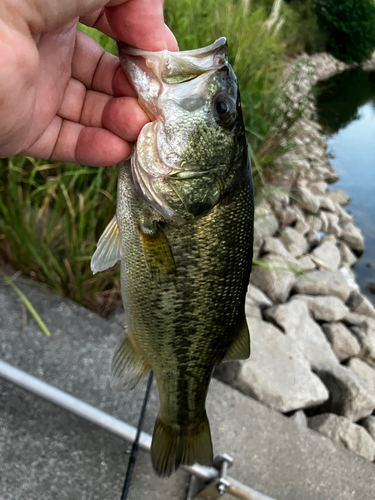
(134, 51)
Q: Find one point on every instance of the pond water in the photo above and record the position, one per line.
(346, 111)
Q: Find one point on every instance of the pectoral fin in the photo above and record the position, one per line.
(158, 253)
(108, 249)
(240, 348)
(128, 365)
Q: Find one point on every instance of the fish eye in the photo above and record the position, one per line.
(221, 107)
(224, 111)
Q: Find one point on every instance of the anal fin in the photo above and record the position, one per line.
(240, 348)
(128, 365)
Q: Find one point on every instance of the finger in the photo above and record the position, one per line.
(99, 21)
(72, 142)
(97, 69)
(122, 116)
(139, 23)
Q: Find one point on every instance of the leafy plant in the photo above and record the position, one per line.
(349, 25)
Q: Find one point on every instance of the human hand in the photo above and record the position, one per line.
(62, 97)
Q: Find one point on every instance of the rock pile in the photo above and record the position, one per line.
(312, 330)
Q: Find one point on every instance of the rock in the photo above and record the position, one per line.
(344, 343)
(300, 419)
(350, 278)
(360, 304)
(333, 225)
(277, 278)
(265, 220)
(319, 188)
(309, 202)
(369, 424)
(276, 374)
(347, 256)
(340, 429)
(305, 263)
(329, 238)
(326, 256)
(294, 241)
(343, 214)
(312, 238)
(324, 220)
(314, 222)
(339, 196)
(324, 308)
(323, 283)
(257, 297)
(364, 372)
(326, 203)
(279, 200)
(353, 236)
(290, 214)
(275, 246)
(294, 319)
(302, 226)
(363, 328)
(348, 396)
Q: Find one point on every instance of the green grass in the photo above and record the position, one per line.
(53, 214)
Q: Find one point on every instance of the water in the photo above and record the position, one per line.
(346, 110)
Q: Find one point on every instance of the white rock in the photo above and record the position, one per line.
(353, 236)
(339, 196)
(276, 278)
(360, 304)
(275, 246)
(364, 372)
(290, 214)
(314, 222)
(294, 319)
(365, 334)
(324, 220)
(276, 374)
(294, 241)
(302, 226)
(344, 343)
(312, 238)
(347, 256)
(340, 429)
(348, 395)
(333, 225)
(323, 283)
(326, 203)
(257, 297)
(300, 419)
(308, 201)
(326, 256)
(265, 220)
(324, 308)
(369, 424)
(305, 263)
(345, 217)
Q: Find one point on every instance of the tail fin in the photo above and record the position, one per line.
(173, 445)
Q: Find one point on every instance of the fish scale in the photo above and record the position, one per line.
(185, 265)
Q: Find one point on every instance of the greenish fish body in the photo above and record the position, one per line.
(183, 232)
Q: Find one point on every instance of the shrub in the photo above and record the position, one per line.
(301, 30)
(350, 25)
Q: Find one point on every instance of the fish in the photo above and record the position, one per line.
(183, 231)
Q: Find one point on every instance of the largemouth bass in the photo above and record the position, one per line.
(183, 231)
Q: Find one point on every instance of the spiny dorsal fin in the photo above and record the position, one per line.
(240, 348)
(158, 253)
(128, 365)
(108, 249)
